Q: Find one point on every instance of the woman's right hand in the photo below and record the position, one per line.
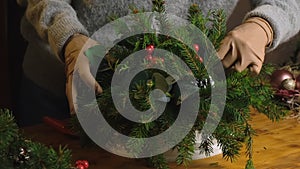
(77, 62)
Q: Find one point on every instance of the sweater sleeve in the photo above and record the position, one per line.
(55, 21)
(282, 15)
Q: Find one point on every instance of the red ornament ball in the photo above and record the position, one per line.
(278, 76)
(150, 49)
(196, 47)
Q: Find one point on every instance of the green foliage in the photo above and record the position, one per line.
(158, 6)
(8, 129)
(213, 24)
(186, 149)
(39, 155)
(244, 90)
(42, 156)
(159, 162)
(249, 164)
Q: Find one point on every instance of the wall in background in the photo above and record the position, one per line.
(5, 94)
(12, 47)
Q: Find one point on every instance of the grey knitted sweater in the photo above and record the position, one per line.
(49, 23)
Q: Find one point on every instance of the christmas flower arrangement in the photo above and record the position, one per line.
(232, 131)
(244, 90)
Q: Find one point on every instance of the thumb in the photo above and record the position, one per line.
(71, 95)
(88, 79)
(224, 48)
(83, 68)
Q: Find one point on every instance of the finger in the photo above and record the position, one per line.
(224, 48)
(242, 63)
(240, 67)
(257, 64)
(98, 88)
(231, 57)
(90, 81)
(250, 60)
(71, 95)
(84, 71)
(256, 68)
(88, 78)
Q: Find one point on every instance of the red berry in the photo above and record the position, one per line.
(149, 57)
(154, 60)
(196, 47)
(150, 49)
(85, 163)
(80, 166)
(200, 58)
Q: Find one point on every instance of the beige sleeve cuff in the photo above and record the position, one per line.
(265, 26)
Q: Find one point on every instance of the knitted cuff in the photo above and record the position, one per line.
(61, 31)
(265, 26)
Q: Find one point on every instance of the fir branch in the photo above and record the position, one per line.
(230, 137)
(249, 164)
(249, 132)
(136, 146)
(190, 60)
(197, 18)
(8, 129)
(159, 162)
(186, 149)
(218, 28)
(158, 6)
(206, 146)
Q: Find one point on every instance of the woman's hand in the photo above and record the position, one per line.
(245, 46)
(77, 62)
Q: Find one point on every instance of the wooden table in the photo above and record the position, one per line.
(277, 146)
